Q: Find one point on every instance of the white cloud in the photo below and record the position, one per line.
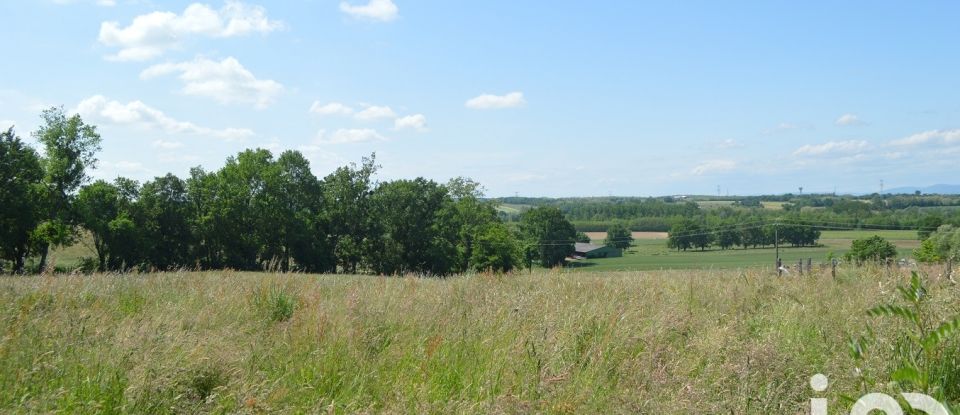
(832, 147)
(945, 136)
(167, 145)
(352, 135)
(152, 34)
(489, 101)
(136, 113)
(374, 112)
(382, 10)
(417, 122)
(332, 108)
(226, 81)
(713, 166)
(848, 120)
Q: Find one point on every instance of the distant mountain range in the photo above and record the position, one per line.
(943, 189)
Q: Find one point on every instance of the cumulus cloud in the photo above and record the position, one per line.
(934, 136)
(490, 101)
(349, 135)
(136, 113)
(713, 166)
(417, 122)
(378, 10)
(832, 147)
(848, 120)
(332, 108)
(375, 112)
(150, 35)
(226, 81)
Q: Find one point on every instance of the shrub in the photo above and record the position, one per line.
(923, 359)
(872, 249)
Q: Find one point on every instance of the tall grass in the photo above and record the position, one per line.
(550, 342)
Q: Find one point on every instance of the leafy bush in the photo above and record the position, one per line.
(924, 362)
(872, 249)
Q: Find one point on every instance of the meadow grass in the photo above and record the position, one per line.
(548, 342)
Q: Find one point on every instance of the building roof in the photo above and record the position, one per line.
(585, 247)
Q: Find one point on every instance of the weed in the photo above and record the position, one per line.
(923, 362)
(275, 303)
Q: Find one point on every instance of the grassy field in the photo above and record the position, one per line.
(547, 342)
(772, 205)
(714, 204)
(653, 254)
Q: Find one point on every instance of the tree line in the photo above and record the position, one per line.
(256, 212)
(921, 212)
(691, 233)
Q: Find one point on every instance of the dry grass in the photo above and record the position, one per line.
(600, 236)
(551, 342)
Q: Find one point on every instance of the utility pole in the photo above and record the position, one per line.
(881, 187)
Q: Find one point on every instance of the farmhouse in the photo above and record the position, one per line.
(585, 250)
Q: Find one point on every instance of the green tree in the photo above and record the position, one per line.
(164, 217)
(21, 198)
(346, 206)
(681, 234)
(496, 250)
(582, 237)
(942, 245)
(928, 225)
(872, 249)
(470, 217)
(728, 236)
(408, 224)
(70, 148)
(293, 210)
(240, 210)
(549, 235)
(619, 236)
(202, 218)
(97, 205)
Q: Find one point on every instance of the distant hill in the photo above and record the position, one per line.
(943, 189)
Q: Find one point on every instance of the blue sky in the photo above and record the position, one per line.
(532, 98)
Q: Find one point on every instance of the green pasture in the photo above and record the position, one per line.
(654, 254)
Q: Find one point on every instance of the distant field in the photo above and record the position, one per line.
(713, 204)
(772, 205)
(600, 236)
(653, 254)
(909, 235)
(512, 208)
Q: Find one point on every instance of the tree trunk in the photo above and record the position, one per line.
(43, 257)
(18, 264)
